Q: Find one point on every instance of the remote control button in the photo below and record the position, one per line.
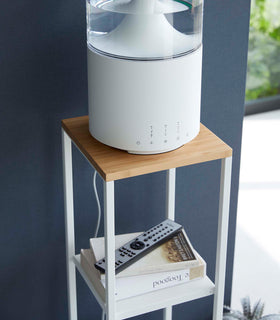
(146, 239)
(122, 254)
(137, 245)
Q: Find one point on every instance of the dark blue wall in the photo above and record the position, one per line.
(42, 80)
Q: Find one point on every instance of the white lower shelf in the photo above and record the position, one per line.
(151, 301)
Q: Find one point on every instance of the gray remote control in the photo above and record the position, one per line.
(138, 247)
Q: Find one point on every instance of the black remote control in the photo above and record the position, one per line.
(138, 247)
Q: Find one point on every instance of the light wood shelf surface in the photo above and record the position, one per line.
(113, 164)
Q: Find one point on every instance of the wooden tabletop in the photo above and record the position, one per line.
(113, 164)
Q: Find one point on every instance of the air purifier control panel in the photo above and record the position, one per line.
(162, 134)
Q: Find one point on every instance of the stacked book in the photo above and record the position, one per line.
(172, 263)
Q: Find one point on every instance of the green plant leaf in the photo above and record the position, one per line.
(275, 34)
(246, 305)
(258, 310)
(263, 72)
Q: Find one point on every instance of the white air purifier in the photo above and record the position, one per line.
(144, 73)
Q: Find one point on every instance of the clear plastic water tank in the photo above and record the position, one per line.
(144, 29)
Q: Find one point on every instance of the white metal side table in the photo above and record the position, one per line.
(113, 164)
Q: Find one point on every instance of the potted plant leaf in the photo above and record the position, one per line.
(249, 312)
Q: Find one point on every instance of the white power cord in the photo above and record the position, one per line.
(98, 218)
(98, 205)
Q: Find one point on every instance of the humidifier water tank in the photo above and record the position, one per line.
(144, 73)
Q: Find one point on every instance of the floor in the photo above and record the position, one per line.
(257, 252)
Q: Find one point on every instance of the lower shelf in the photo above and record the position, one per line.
(151, 301)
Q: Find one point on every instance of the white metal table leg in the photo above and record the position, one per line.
(220, 272)
(170, 214)
(69, 225)
(170, 193)
(167, 313)
(109, 232)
